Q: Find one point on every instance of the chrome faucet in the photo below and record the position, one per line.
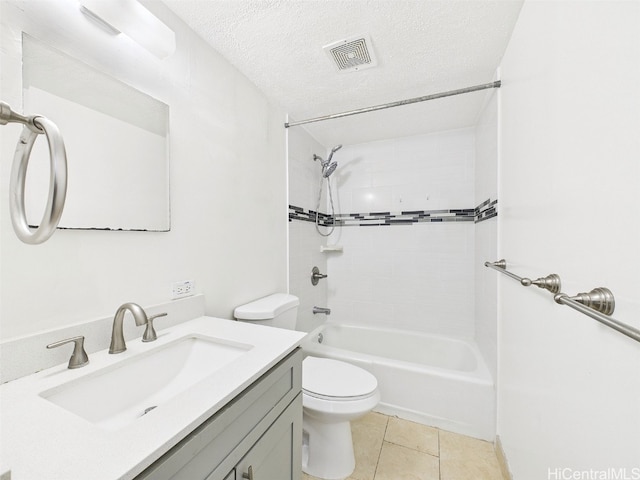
(326, 311)
(117, 336)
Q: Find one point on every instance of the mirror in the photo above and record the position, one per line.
(116, 139)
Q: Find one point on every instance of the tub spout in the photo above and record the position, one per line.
(326, 311)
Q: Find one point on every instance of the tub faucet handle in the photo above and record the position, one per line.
(79, 357)
(150, 332)
(316, 275)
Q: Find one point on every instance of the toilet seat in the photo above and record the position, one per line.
(329, 379)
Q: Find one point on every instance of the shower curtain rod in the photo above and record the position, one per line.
(409, 101)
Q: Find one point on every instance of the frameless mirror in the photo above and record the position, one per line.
(116, 139)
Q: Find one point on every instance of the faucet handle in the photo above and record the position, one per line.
(316, 276)
(150, 332)
(79, 357)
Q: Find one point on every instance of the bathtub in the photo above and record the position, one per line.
(431, 379)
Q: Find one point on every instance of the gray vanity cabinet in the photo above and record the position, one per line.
(258, 432)
(270, 458)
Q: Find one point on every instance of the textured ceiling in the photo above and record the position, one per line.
(423, 47)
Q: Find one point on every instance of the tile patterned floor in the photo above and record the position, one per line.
(389, 448)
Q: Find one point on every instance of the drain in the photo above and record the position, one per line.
(320, 338)
(147, 410)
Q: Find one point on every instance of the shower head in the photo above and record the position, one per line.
(327, 166)
(333, 150)
(328, 169)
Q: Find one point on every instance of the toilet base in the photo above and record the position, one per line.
(327, 449)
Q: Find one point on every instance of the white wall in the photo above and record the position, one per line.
(304, 240)
(569, 387)
(228, 187)
(420, 276)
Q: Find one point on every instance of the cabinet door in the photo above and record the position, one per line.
(277, 454)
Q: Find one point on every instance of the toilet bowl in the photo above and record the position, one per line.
(333, 394)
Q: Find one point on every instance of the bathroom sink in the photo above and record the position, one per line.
(116, 396)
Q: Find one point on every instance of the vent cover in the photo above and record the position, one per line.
(352, 54)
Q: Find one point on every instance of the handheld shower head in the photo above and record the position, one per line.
(333, 150)
(329, 169)
(327, 166)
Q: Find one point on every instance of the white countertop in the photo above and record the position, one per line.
(42, 441)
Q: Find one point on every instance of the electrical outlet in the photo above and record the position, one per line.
(182, 289)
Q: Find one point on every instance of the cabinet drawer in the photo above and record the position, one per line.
(215, 447)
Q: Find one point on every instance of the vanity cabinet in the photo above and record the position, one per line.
(257, 435)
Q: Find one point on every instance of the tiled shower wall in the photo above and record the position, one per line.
(411, 248)
(304, 241)
(486, 234)
(418, 276)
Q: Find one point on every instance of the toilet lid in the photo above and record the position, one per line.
(333, 378)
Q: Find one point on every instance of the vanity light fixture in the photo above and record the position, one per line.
(132, 19)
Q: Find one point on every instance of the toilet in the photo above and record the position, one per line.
(333, 394)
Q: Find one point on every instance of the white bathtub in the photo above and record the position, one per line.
(431, 379)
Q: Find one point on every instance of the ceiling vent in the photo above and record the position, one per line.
(352, 54)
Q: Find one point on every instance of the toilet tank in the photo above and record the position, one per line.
(276, 310)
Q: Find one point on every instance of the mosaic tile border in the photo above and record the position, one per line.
(299, 213)
(484, 211)
(404, 217)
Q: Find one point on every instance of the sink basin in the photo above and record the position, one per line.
(116, 396)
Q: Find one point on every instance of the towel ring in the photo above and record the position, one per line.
(57, 181)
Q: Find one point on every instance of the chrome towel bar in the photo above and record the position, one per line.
(623, 328)
(598, 304)
(34, 126)
(550, 282)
